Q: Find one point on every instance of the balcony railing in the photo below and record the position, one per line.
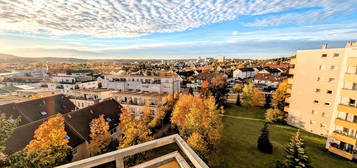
(352, 109)
(351, 77)
(344, 137)
(349, 93)
(345, 123)
(119, 155)
(341, 152)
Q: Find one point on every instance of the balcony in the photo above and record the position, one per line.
(286, 108)
(349, 93)
(346, 124)
(118, 156)
(347, 109)
(343, 137)
(287, 100)
(340, 152)
(350, 77)
(352, 61)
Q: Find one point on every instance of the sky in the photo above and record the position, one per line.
(171, 29)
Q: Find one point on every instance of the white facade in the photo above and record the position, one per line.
(243, 73)
(150, 84)
(65, 84)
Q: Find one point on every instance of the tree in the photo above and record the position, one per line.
(7, 126)
(50, 144)
(295, 155)
(275, 115)
(205, 92)
(197, 143)
(264, 144)
(218, 88)
(134, 131)
(197, 117)
(280, 95)
(252, 96)
(238, 88)
(100, 136)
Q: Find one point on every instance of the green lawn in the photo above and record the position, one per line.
(242, 129)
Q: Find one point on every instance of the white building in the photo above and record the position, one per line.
(164, 84)
(243, 73)
(66, 83)
(86, 97)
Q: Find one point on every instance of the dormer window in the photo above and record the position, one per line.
(43, 113)
(108, 119)
(67, 137)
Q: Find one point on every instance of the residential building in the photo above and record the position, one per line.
(221, 59)
(242, 73)
(266, 80)
(137, 102)
(76, 125)
(65, 83)
(323, 96)
(162, 84)
(86, 97)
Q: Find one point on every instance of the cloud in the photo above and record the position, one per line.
(309, 16)
(131, 18)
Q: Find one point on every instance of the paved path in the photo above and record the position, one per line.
(244, 118)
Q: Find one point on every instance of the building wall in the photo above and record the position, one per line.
(81, 152)
(314, 88)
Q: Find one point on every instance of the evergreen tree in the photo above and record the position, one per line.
(6, 128)
(264, 144)
(238, 88)
(295, 155)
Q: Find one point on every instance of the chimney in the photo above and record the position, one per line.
(351, 44)
(324, 46)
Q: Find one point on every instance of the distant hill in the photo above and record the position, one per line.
(6, 58)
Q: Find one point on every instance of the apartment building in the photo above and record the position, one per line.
(86, 97)
(65, 83)
(137, 102)
(323, 96)
(162, 84)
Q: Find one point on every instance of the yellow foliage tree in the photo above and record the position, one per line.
(100, 136)
(252, 96)
(197, 143)
(50, 143)
(280, 95)
(134, 131)
(200, 116)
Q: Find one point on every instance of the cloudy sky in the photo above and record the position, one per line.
(173, 28)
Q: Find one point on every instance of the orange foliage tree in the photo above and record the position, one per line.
(50, 142)
(100, 136)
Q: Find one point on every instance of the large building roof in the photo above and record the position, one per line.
(76, 125)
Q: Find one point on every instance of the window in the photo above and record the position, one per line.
(336, 54)
(322, 67)
(333, 67)
(113, 131)
(108, 119)
(323, 125)
(331, 79)
(324, 55)
(43, 113)
(327, 103)
(312, 112)
(317, 90)
(316, 101)
(318, 78)
(312, 121)
(323, 114)
(354, 86)
(329, 91)
(67, 137)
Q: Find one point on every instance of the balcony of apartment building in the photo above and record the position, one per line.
(349, 90)
(345, 150)
(182, 157)
(346, 122)
(345, 135)
(350, 107)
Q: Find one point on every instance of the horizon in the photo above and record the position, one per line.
(146, 30)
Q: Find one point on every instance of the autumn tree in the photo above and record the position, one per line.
(50, 143)
(252, 96)
(7, 126)
(197, 117)
(264, 144)
(238, 88)
(280, 95)
(274, 115)
(205, 92)
(295, 155)
(197, 143)
(100, 136)
(134, 131)
(218, 88)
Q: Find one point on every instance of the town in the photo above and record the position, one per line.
(99, 107)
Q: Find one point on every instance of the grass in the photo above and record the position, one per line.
(242, 129)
